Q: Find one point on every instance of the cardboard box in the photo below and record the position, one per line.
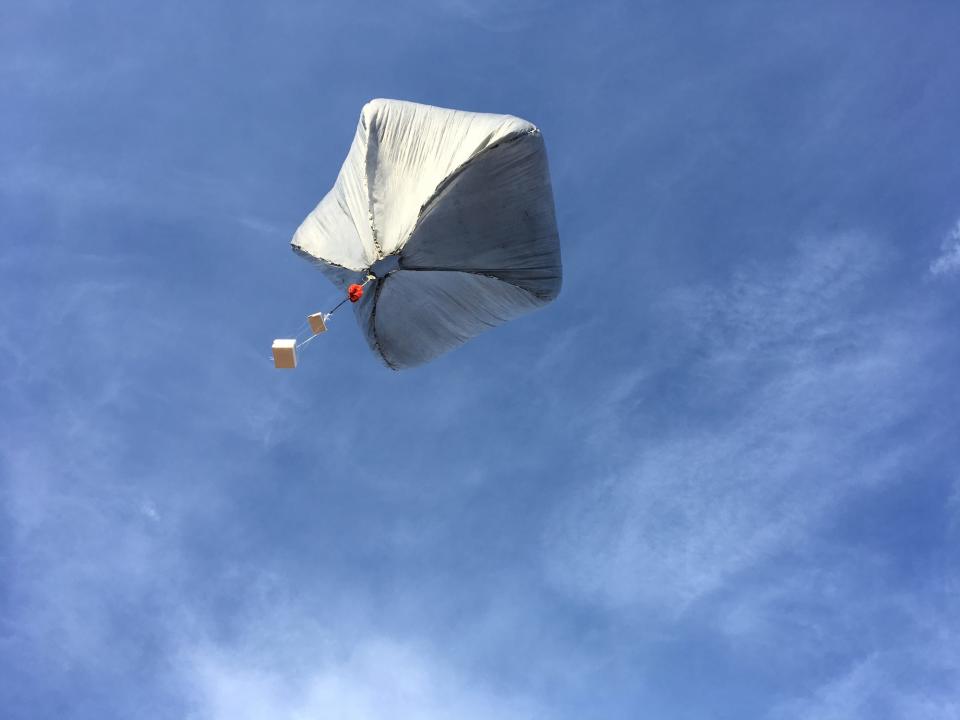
(317, 323)
(285, 353)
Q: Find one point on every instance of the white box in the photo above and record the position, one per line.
(285, 353)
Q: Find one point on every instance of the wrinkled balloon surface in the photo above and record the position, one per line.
(452, 212)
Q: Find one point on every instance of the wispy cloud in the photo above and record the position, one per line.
(95, 495)
(785, 417)
(495, 15)
(917, 680)
(948, 262)
(373, 678)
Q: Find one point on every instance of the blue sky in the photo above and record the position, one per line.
(719, 477)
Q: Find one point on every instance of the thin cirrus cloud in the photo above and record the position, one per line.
(948, 262)
(750, 523)
(374, 678)
(809, 383)
(885, 684)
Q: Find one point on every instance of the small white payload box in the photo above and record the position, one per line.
(285, 353)
(318, 323)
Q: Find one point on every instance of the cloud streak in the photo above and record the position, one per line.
(374, 678)
(948, 262)
(797, 387)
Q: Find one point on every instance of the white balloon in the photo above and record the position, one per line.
(452, 212)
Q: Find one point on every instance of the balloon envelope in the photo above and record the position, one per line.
(453, 212)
